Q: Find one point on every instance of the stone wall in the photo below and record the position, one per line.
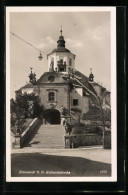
(78, 140)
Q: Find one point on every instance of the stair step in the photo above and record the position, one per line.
(48, 136)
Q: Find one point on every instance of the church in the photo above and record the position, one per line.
(63, 88)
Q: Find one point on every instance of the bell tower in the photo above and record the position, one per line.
(61, 59)
(61, 41)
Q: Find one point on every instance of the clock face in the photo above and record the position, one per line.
(51, 78)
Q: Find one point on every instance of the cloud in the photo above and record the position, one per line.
(73, 43)
(50, 40)
(45, 42)
(98, 34)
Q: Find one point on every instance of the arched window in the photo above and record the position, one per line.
(51, 96)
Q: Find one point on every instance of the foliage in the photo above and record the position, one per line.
(105, 112)
(87, 129)
(26, 106)
(22, 125)
(68, 128)
(64, 111)
(78, 112)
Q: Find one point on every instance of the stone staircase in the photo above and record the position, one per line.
(48, 136)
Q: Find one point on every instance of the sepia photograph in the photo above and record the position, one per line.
(61, 94)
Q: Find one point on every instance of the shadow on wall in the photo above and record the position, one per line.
(77, 166)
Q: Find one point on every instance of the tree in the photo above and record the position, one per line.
(104, 110)
(27, 105)
(64, 111)
(78, 112)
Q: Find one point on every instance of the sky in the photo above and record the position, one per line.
(87, 35)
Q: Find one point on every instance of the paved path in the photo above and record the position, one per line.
(93, 153)
(61, 162)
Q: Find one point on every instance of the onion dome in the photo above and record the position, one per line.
(61, 44)
(91, 76)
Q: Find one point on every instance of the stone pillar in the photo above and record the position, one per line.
(68, 100)
(67, 142)
(67, 97)
(17, 143)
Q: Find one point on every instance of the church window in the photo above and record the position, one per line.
(51, 96)
(75, 102)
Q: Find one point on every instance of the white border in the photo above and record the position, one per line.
(113, 178)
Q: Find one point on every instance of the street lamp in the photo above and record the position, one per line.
(40, 56)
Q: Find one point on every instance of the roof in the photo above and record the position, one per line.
(44, 78)
(60, 49)
(19, 90)
(74, 81)
(85, 81)
(79, 81)
(28, 85)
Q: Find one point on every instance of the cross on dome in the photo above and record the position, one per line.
(31, 69)
(61, 30)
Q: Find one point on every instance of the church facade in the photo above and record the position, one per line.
(63, 87)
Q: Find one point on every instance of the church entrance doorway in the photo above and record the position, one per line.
(52, 116)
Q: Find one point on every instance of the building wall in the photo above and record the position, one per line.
(83, 101)
(62, 96)
(61, 93)
(85, 104)
(76, 94)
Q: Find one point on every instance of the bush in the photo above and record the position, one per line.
(26, 106)
(68, 128)
(22, 125)
(85, 129)
(78, 128)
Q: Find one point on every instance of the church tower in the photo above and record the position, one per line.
(61, 59)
